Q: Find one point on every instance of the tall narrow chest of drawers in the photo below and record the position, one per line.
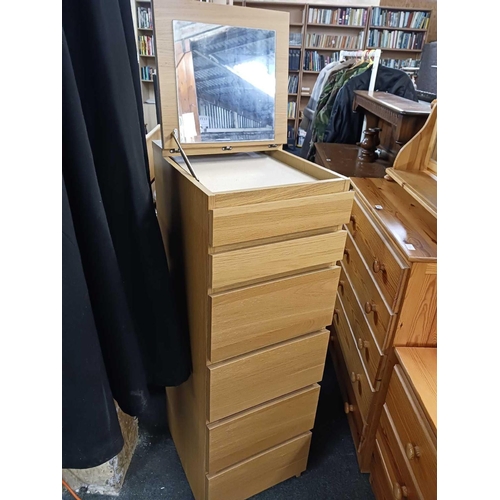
(259, 272)
(386, 297)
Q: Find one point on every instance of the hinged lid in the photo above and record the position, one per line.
(222, 76)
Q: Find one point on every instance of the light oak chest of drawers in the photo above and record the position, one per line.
(386, 298)
(259, 271)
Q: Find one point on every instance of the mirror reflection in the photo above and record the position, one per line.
(226, 81)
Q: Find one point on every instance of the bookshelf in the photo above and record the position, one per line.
(147, 60)
(398, 32)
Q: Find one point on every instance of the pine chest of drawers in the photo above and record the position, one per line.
(404, 463)
(386, 297)
(259, 270)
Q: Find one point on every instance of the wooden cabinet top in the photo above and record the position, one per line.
(400, 105)
(409, 226)
(420, 365)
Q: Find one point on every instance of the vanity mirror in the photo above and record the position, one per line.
(226, 81)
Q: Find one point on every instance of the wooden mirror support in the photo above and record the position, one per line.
(415, 167)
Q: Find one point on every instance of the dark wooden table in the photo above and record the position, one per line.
(399, 119)
(343, 159)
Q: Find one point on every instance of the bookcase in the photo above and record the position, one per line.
(147, 60)
(318, 32)
(399, 32)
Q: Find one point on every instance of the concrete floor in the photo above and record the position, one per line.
(332, 473)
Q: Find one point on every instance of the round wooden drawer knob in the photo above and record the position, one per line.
(336, 313)
(346, 253)
(355, 377)
(362, 344)
(341, 286)
(412, 451)
(353, 220)
(370, 307)
(348, 408)
(399, 491)
(377, 266)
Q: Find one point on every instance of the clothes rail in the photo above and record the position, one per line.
(368, 54)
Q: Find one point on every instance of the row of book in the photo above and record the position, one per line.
(291, 110)
(336, 41)
(400, 19)
(147, 72)
(400, 63)
(387, 39)
(144, 18)
(294, 59)
(293, 84)
(295, 39)
(146, 46)
(314, 61)
(344, 16)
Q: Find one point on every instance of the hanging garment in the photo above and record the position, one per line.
(344, 125)
(315, 94)
(323, 115)
(124, 315)
(311, 109)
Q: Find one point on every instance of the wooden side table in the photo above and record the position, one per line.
(398, 118)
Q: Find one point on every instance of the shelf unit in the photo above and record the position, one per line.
(147, 86)
(299, 23)
(394, 52)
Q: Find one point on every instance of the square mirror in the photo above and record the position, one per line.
(226, 82)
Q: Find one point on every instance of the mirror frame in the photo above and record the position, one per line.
(164, 13)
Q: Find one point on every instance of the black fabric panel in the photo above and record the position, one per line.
(137, 324)
(82, 364)
(345, 125)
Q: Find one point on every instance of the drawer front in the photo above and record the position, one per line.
(261, 315)
(351, 408)
(375, 310)
(239, 267)
(279, 218)
(261, 471)
(400, 476)
(357, 375)
(365, 340)
(412, 431)
(237, 438)
(379, 476)
(255, 378)
(386, 268)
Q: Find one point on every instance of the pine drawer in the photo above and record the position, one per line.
(401, 479)
(380, 478)
(250, 432)
(261, 315)
(351, 408)
(365, 340)
(385, 267)
(376, 311)
(413, 433)
(252, 379)
(357, 375)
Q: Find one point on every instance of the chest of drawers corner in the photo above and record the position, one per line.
(258, 271)
(404, 461)
(386, 298)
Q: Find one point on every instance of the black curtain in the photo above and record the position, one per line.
(121, 327)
